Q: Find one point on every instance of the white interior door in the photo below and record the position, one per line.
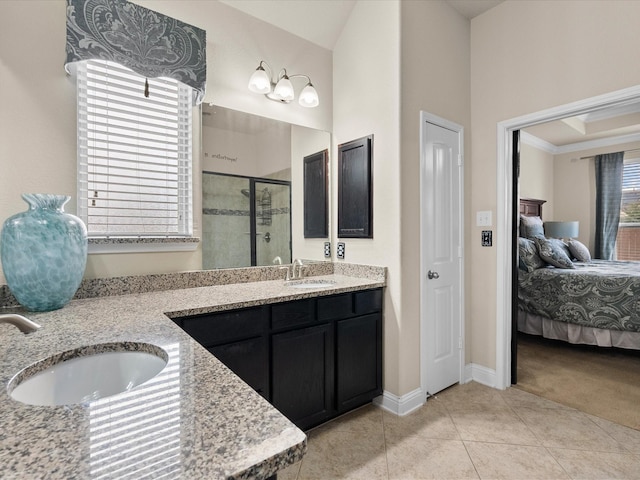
(442, 342)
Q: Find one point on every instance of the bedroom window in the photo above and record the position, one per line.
(134, 153)
(628, 240)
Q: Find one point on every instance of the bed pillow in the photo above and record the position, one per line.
(531, 227)
(553, 253)
(528, 253)
(579, 251)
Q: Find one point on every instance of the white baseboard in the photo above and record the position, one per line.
(478, 373)
(415, 399)
(401, 405)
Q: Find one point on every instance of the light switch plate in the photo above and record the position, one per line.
(483, 219)
(340, 252)
(327, 249)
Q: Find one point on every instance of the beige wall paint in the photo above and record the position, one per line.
(38, 114)
(537, 177)
(575, 190)
(527, 56)
(366, 69)
(305, 142)
(435, 78)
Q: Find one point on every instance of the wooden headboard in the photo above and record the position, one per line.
(531, 207)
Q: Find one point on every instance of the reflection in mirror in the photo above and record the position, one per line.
(252, 188)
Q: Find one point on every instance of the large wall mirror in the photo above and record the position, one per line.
(252, 188)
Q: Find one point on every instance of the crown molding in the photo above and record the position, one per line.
(540, 144)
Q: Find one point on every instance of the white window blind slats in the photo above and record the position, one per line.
(134, 174)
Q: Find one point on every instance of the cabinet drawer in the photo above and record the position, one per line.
(368, 301)
(292, 314)
(217, 328)
(335, 306)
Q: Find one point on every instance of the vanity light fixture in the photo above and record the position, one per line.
(281, 90)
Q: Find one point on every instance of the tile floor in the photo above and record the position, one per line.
(471, 432)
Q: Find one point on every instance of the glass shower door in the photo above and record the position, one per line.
(272, 222)
(226, 221)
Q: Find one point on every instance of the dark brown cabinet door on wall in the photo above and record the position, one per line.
(355, 207)
(315, 195)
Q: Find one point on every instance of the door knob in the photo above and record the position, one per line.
(432, 275)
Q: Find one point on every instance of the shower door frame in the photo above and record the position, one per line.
(253, 218)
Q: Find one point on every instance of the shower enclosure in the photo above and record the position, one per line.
(246, 221)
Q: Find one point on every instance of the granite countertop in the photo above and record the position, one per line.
(196, 419)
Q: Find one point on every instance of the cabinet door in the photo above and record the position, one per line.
(359, 361)
(249, 359)
(303, 374)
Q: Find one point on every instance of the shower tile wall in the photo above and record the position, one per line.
(225, 222)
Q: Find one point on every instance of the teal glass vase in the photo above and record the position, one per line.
(44, 253)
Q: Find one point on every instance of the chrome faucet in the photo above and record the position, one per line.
(23, 323)
(297, 262)
(292, 272)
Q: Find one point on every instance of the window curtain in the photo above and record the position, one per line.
(609, 168)
(149, 43)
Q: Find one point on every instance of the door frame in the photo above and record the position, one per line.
(504, 225)
(426, 117)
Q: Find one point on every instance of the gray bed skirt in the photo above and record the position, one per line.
(572, 333)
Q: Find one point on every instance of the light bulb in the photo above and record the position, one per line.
(260, 81)
(309, 96)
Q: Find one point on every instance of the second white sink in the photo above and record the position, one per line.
(87, 374)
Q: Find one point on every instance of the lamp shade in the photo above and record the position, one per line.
(284, 89)
(561, 229)
(308, 97)
(259, 81)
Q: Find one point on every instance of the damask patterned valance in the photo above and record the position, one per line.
(147, 42)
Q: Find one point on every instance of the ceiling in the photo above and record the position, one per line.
(603, 127)
(321, 22)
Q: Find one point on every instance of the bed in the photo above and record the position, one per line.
(594, 302)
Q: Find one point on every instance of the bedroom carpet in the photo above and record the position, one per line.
(604, 382)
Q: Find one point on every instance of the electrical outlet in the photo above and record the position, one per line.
(327, 249)
(341, 248)
(487, 238)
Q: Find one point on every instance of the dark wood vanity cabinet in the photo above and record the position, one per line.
(303, 374)
(239, 339)
(313, 359)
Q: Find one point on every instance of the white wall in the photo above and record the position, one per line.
(527, 56)
(38, 114)
(435, 73)
(366, 72)
(537, 177)
(305, 142)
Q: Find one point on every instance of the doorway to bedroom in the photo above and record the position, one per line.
(508, 210)
(540, 154)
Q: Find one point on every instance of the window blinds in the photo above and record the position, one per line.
(134, 153)
(628, 239)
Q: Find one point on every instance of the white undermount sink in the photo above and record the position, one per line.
(87, 374)
(310, 283)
